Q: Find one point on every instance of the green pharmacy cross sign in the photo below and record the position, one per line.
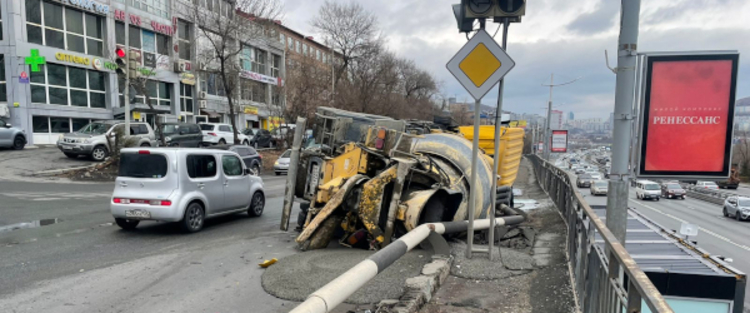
(35, 60)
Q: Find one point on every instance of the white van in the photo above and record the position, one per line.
(646, 189)
(186, 185)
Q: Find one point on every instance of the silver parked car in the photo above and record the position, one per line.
(185, 185)
(739, 207)
(11, 137)
(93, 139)
(282, 163)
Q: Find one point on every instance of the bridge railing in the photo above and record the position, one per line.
(606, 278)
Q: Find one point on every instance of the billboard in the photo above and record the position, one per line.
(687, 115)
(559, 141)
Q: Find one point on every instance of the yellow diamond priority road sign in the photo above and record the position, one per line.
(480, 64)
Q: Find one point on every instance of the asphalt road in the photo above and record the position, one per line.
(717, 234)
(83, 263)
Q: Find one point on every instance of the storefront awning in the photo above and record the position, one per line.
(210, 113)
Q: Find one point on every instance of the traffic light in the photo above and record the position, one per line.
(134, 57)
(497, 9)
(465, 25)
(121, 65)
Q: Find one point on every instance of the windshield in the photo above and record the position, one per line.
(249, 132)
(142, 165)
(651, 187)
(674, 186)
(585, 176)
(95, 128)
(744, 202)
(207, 127)
(286, 154)
(170, 129)
(602, 184)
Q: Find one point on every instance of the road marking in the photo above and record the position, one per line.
(744, 247)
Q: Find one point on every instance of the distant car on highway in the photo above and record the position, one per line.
(599, 187)
(584, 181)
(596, 176)
(580, 171)
(185, 185)
(646, 189)
(707, 185)
(739, 207)
(672, 190)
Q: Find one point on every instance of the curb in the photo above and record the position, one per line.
(61, 171)
(419, 290)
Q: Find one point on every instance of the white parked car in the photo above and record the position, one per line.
(215, 133)
(185, 185)
(707, 185)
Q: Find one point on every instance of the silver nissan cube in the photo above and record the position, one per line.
(183, 185)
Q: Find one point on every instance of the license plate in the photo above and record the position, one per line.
(137, 214)
(67, 148)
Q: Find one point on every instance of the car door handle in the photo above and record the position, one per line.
(201, 185)
(123, 184)
(226, 183)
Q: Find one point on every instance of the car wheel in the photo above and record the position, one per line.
(255, 145)
(193, 219)
(127, 224)
(256, 169)
(99, 153)
(256, 204)
(272, 144)
(724, 211)
(71, 155)
(222, 141)
(246, 142)
(737, 216)
(18, 143)
(657, 198)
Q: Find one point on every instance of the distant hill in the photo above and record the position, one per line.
(743, 102)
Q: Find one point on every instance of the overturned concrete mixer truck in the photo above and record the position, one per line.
(367, 179)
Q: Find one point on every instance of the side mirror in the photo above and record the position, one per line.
(8, 125)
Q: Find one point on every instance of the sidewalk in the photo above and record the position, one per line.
(20, 165)
(532, 279)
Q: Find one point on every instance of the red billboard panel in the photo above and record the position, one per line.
(559, 141)
(688, 115)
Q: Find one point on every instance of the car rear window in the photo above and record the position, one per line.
(143, 165)
(207, 127)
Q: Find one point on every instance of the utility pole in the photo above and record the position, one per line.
(126, 92)
(548, 132)
(617, 197)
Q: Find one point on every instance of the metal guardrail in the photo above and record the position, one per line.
(598, 274)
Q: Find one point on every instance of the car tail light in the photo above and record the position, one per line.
(260, 156)
(142, 201)
(212, 134)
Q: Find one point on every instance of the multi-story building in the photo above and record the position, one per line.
(556, 119)
(57, 66)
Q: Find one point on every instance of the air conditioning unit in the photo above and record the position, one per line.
(202, 104)
(202, 95)
(180, 66)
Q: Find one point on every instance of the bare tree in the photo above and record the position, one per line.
(222, 34)
(352, 30)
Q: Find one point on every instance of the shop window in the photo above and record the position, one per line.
(47, 124)
(54, 25)
(63, 85)
(159, 92)
(212, 84)
(3, 90)
(186, 98)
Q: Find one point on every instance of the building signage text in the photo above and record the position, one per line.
(88, 5)
(97, 64)
(138, 21)
(261, 78)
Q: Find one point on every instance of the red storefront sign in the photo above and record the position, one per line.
(688, 116)
(156, 26)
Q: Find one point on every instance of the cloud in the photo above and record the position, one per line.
(555, 37)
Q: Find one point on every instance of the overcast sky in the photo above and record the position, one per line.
(567, 38)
